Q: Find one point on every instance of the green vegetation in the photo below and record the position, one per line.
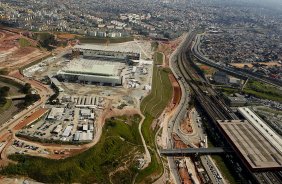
(46, 40)
(269, 110)
(152, 106)
(161, 93)
(263, 90)
(4, 71)
(104, 40)
(257, 89)
(222, 166)
(4, 92)
(10, 81)
(6, 106)
(115, 153)
(228, 91)
(154, 45)
(29, 98)
(24, 42)
(159, 58)
(26, 88)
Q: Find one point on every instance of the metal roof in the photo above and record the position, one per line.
(252, 145)
(127, 47)
(91, 69)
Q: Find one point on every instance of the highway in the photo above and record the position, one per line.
(214, 102)
(177, 62)
(193, 83)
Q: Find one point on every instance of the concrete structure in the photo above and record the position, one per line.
(83, 136)
(56, 83)
(236, 100)
(119, 51)
(56, 113)
(58, 129)
(85, 113)
(193, 151)
(91, 71)
(262, 127)
(220, 77)
(67, 131)
(258, 151)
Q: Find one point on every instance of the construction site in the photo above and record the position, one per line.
(17, 50)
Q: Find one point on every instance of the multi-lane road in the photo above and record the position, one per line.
(190, 82)
(177, 61)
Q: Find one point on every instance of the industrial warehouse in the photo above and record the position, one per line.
(100, 64)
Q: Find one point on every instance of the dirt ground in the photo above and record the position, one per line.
(250, 65)
(176, 96)
(186, 125)
(184, 175)
(12, 55)
(167, 48)
(66, 36)
(36, 115)
(8, 114)
(178, 143)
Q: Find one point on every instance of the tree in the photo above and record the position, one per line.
(47, 40)
(166, 35)
(3, 100)
(4, 91)
(30, 98)
(26, 88)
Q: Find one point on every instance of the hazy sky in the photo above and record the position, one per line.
(274, 3)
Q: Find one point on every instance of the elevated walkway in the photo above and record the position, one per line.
(193, 151)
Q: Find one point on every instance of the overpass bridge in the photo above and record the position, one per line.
(194, 151)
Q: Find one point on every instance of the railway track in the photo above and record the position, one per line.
(200, 91)
(211, 102)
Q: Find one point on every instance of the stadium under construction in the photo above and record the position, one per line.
(100, 64)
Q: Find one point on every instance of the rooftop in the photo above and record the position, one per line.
(91, 68)
(254, 147)
(55, 113)
(128, 47)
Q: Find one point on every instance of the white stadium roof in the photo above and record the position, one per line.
(128, 47)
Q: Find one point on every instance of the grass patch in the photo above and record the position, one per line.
(4, 71)
(104, 40)
(154, 170)
(24, 42)
(10, 82)
(161, 93)
(266, 109)
(5, 106)
(263, 90)
(159, 58)
(119, 144)
(228, 91)
(224, 169)
(152, 106)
